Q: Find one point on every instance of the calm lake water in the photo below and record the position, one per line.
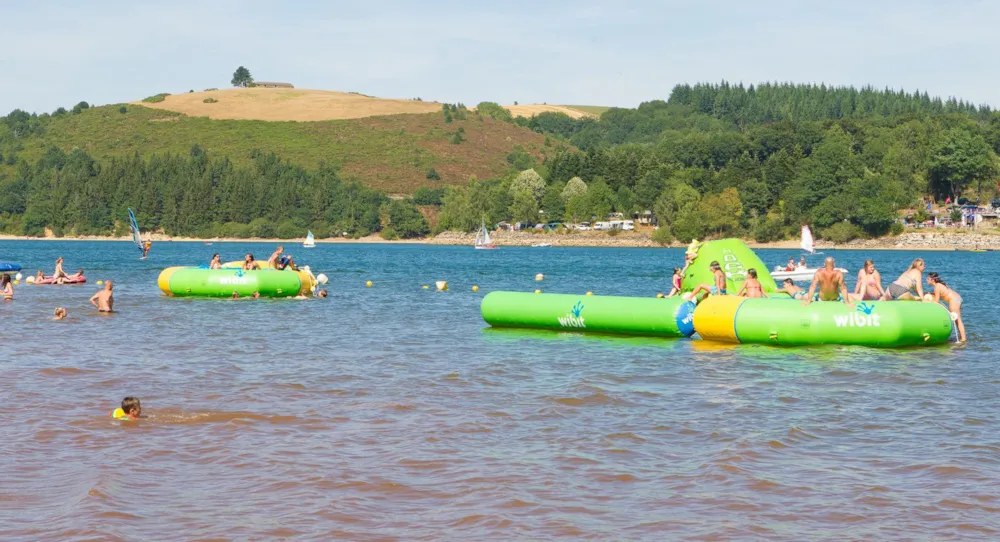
(392, 412)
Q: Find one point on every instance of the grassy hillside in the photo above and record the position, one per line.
(573, 111)
(390, 153)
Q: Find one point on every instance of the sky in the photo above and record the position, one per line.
(580, 52)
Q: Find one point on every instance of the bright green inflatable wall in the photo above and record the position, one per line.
(642, 316)
(202, 282)
(735, 258)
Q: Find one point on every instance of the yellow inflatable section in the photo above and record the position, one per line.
(715, 318)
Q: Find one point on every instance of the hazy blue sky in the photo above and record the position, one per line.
(572, 52)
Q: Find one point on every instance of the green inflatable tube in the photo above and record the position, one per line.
(202, 282)
(639, 316)
(734, 257)
(881, 324)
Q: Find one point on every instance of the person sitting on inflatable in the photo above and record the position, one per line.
(130, 409)
(788, 286)
(751, 286)
(720, 283)
(791, 264)
(952, 298)
(216, 262)
(249, 264)
(831, 285)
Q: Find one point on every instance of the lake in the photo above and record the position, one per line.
(393, 412)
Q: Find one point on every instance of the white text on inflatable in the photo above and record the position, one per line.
(856, 319)
(571, 321)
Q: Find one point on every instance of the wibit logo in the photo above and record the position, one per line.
(573, 319)
(863, 317)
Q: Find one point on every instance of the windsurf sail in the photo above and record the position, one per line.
(134, 226)
(807, 240)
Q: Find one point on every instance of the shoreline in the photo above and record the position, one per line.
(931, 240)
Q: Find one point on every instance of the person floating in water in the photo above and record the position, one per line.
(942, 292)
(831, 285)
(751, 286)
(60, 314)
(6, 288)
(146, 246)
(131, 410)
(321, 294)
(104, 300)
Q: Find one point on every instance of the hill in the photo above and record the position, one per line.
(280, 104)
(392, 153)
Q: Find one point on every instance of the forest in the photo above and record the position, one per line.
(711, 160)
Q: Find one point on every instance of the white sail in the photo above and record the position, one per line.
(310, 241)
(807, 240)
(483, 237)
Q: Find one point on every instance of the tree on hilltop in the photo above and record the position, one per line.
(242, 77)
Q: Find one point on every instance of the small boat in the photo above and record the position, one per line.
(483, 240)
(310, 241)
(539, 245)
(801, 274)
(71, 279)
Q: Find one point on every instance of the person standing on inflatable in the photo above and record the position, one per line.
(831, 285)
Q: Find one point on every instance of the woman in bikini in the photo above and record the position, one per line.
(870, 282)
(943, 293)
(751, 286)
(908, 286)
(216, 263)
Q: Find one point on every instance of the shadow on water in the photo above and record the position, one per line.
(514, 335)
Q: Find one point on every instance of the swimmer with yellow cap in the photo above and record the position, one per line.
(130, 409)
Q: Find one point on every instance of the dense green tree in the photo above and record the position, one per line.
(960, 157)
(528, 181)
(242, 77)
(524, 207)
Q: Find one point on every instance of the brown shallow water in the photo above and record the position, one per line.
(390, 413)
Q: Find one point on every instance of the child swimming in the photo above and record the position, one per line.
(130, 409)
(60, 313)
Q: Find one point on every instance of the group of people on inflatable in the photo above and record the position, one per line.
(832, 286)
(278, 260)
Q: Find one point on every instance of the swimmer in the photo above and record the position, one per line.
(6, 288)
(130, 409)
(60, 313)
(751, 286)
(831, 285)
(104, 300)
(321, 294)
(675, 282)
(256, 295)
(951, 297)
(720, 283)
(236, 295)
(788, 286)
(216, 262)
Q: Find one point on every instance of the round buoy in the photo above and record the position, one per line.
(954, 316)
(538, 291)
(928, 298)
(539, 276)
(425, 287)
(368, 284)
(18, 276)
(100, 282)
(17, 281)
(441, 285)
(659, 296)
(475, 288)
(322, 279)
(590, 293)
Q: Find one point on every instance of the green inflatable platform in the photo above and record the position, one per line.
(735, 258)
(202, 282)
(641, 316)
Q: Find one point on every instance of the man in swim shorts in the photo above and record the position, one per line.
(104, 300)
(831, 285)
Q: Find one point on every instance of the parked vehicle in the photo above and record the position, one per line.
(628, 225)
(602, 226)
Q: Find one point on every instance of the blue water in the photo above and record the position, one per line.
(392, 412)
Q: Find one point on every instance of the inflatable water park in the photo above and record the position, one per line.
(776, 320)
(201, 281)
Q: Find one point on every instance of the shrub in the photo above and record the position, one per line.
(428, 196)
(662, 235)
(389, 233)
(494, 110)
(842, 232)
(457, 138)
(433, 175)
(896, 228)
(768, 229)
(210, 101)
(289, 230)
(956, 215)
(235, 230)
(261, 227)
(156, 98)
(210, 89)
(123, 110)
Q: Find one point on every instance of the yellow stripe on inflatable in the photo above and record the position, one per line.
(715, 318)
(164, 280)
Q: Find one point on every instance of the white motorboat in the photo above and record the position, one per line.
(483, 240)
(801, 274)
(539, 245)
